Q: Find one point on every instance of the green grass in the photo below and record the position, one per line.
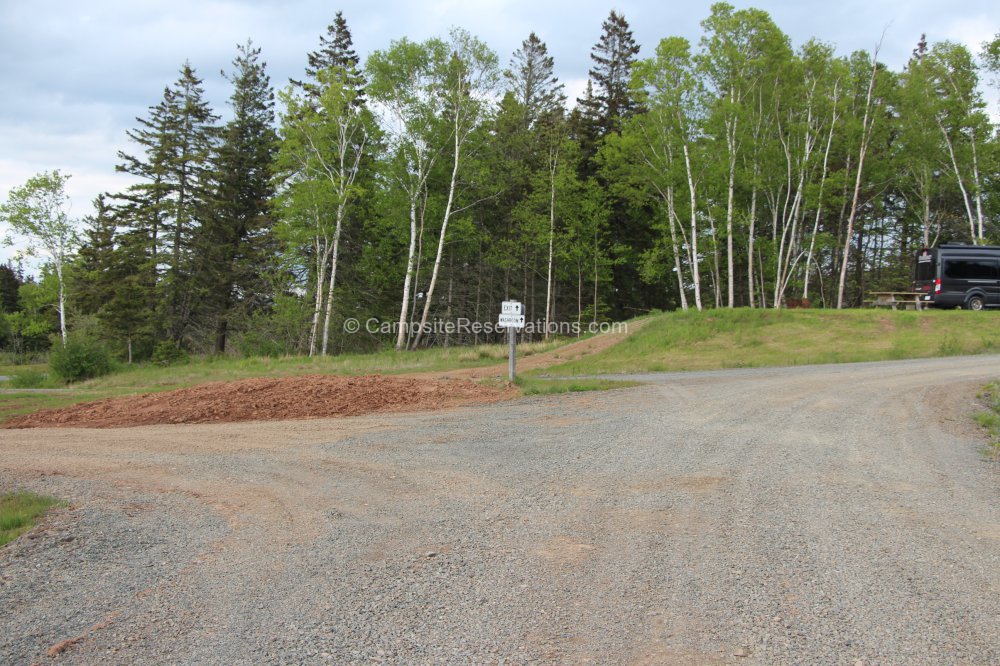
(19, 511)
(536, 386)
(744, 338)
(990, 419)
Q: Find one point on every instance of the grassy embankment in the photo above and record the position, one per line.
(19, 511)
(745, 338)
(667, 342)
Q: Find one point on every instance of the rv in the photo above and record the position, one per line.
(958, 276)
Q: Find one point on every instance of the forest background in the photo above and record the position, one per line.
(435, 179)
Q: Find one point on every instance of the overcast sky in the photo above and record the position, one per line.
(75, 74)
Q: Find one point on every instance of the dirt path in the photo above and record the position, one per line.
(802, 515)
(570, 352)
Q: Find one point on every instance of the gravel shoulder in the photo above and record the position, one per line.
(804, 515)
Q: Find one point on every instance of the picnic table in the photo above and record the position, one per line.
(906, 300)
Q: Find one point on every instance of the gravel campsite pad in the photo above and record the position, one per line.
(267, 399)
(834, 515)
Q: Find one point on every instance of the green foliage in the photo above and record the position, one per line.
(280, 331)
(169, 353)
(29, 378)
(37, 211)
(28, 329)
(19, 511)
(10, 281)
(717, 172)
(81, 357)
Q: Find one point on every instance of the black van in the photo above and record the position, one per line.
(951, 276)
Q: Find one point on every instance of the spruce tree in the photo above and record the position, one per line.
(335, 52)
(613, 56)
(10, 282)
(602, 111)
(94, 267)
(172, 200)
(532, 80)
(235, 244)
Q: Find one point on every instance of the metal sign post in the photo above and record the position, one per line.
(512, 354)
(511, 318)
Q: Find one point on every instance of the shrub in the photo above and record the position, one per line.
(80, 358)
(28, 379)
(168, 353)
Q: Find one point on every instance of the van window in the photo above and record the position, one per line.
(970, 269)
(925, 269)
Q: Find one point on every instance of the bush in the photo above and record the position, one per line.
(81, 358)
(28, 379)
(168, 353)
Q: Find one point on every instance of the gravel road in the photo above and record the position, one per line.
(835, 515)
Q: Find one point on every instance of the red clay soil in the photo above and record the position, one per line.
(278, 399)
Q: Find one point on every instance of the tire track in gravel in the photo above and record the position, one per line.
(800, 515)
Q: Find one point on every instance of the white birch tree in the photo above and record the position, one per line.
(408, 98)
(324, 138)
(470, 74)
(38, 215)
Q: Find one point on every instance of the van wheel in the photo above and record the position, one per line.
(974, 303)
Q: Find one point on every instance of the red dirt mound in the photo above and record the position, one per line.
(279, 399)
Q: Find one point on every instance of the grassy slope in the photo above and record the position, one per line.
(756, 338)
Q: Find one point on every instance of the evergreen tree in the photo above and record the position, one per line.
(605, 107)
(94, 276)
(10, 282)
(614, 55)
(584, 128)
(164, 211)
(336, 53)
(532, 81)
(235, 244)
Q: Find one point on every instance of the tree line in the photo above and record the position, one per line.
(432, 182)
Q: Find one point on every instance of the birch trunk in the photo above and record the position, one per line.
(62, 299)
(333, 277)
(671, 215)
(979, 188)
(730, 204)
(444, 230)
(822, 185)
(862, 150)
(553, 166)
(695, 273)
(322, 255)
(961, 183)
(408, 280)
(750, 242)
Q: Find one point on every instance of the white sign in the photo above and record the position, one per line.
(511, 321)
(512, 308)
